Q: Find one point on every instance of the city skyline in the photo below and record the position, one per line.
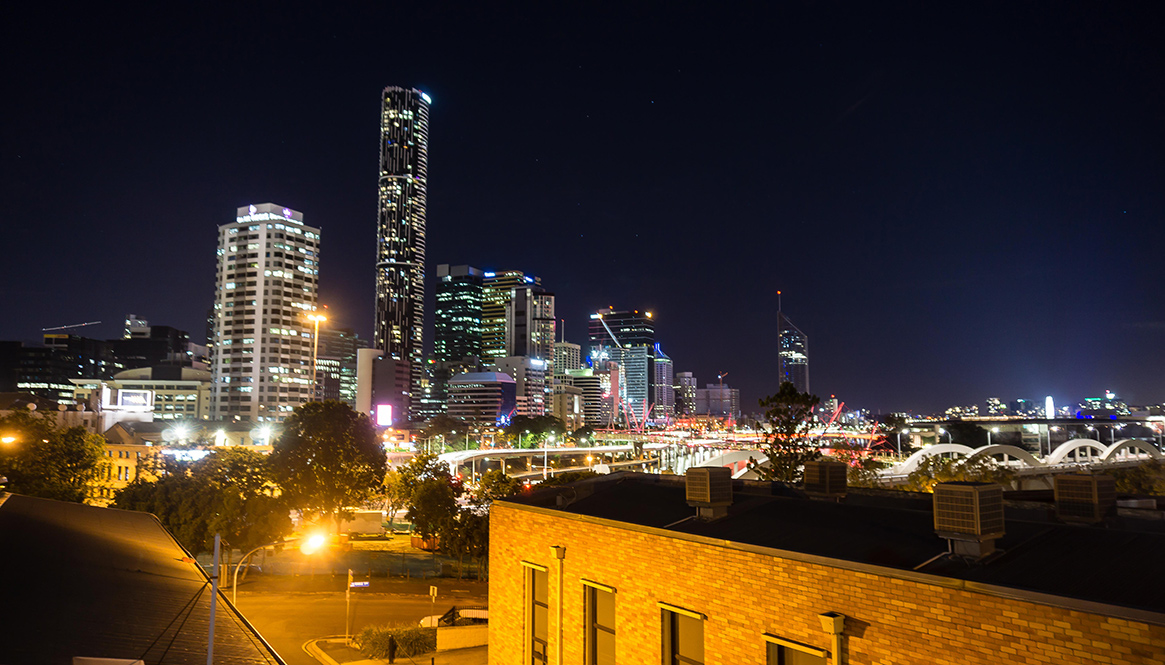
(947, 230)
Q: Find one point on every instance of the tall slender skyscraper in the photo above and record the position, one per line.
(793, 348)
(400, 246)
(267, 280)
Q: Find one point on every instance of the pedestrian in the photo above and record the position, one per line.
(392, 648)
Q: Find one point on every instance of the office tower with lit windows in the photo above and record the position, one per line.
(793, 350)
(457, 317)
(400, 243)
(498, 290)
(266, 284)
(530, 323)
(664, 391)
(567, 356)
(685, 393)
(336, 364)
(627, 338)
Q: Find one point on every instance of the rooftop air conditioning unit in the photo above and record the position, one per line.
(825, 478)
(1083, 497)
(970, 516)
(709, 490)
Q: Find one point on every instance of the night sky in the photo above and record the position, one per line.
(956, 203)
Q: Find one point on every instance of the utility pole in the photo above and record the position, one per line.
(213, 601)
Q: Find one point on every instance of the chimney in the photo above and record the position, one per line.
(1084, 498)
(825, 478)
(970, 516)
(709, 491)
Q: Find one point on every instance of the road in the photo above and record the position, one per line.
(288, 619)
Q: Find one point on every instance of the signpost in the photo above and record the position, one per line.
(433, 597)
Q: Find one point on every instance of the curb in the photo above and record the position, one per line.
(311, 648)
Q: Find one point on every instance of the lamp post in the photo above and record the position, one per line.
(943, 431)
(310, 546)
(1093, 429)
(993, 429)
(315, 350)
(900, 433)
(1114, 429)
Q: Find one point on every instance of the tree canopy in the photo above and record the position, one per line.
(539, 428)
(230, 491)
(789, 414)
(48, 461)
(327, 458)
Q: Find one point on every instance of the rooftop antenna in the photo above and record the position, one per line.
(778, 301)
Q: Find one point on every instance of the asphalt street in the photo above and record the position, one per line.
(289, 619)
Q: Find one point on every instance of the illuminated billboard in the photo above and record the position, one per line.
(384, 415)
(138, 398)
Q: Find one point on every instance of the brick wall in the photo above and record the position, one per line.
(746, 593)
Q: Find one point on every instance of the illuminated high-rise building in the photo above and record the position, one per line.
(627, 338)
(266, 284)
(530, 323)
(457, 317)
(793, 349)
(498, 290)
(400, 246)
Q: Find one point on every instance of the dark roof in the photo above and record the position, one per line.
(890, 529)
(85, 581)
(13, 401)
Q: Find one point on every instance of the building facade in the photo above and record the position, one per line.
(665, 395)
(718, 401)
(336, 364)
(400, 245)
(483, 399)
(616, 570)
(531, 383)
(530, 324)
(685, 393)
(498, 289)
(567, 356)
(457, 316)
(266, 283)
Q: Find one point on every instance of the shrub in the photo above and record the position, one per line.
(410, 640)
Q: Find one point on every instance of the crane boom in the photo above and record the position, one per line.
(75, 325)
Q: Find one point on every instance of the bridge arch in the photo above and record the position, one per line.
(737, 460)
(1075, 445)
(911, 463)
(1131, 444)
(1010, 451)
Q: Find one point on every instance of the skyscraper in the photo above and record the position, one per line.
(498, 290)
(627, 338)
(530, 323)
(267, 280)
(457, 319)
(665, 399)
(793, 349)
(400, 247)
(336, 363)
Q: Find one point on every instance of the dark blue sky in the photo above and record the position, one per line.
(957, 202)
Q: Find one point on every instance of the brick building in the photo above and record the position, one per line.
(619, 569)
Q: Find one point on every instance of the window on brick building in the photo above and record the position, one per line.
(600, 624)
(787, 652)
(683, 636)
(538, 615)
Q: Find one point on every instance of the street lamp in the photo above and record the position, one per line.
(943, 431)
(1114, 429)
(1090, 428)
(993, 429)
(905, 431)
(310, 546)
(316, 319)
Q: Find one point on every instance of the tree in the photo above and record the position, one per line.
(584, 432)
(937, 469)
(567, 478)
(395, 492)
(442, 426)
(47, 461)
(327, 458)
(1145, 478)
(539, 428)
(229, 492)
(495, 485)
(789, 414)
(432, 507)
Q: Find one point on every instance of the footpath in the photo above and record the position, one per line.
(335, 651)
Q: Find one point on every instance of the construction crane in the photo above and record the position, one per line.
(75, 325)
